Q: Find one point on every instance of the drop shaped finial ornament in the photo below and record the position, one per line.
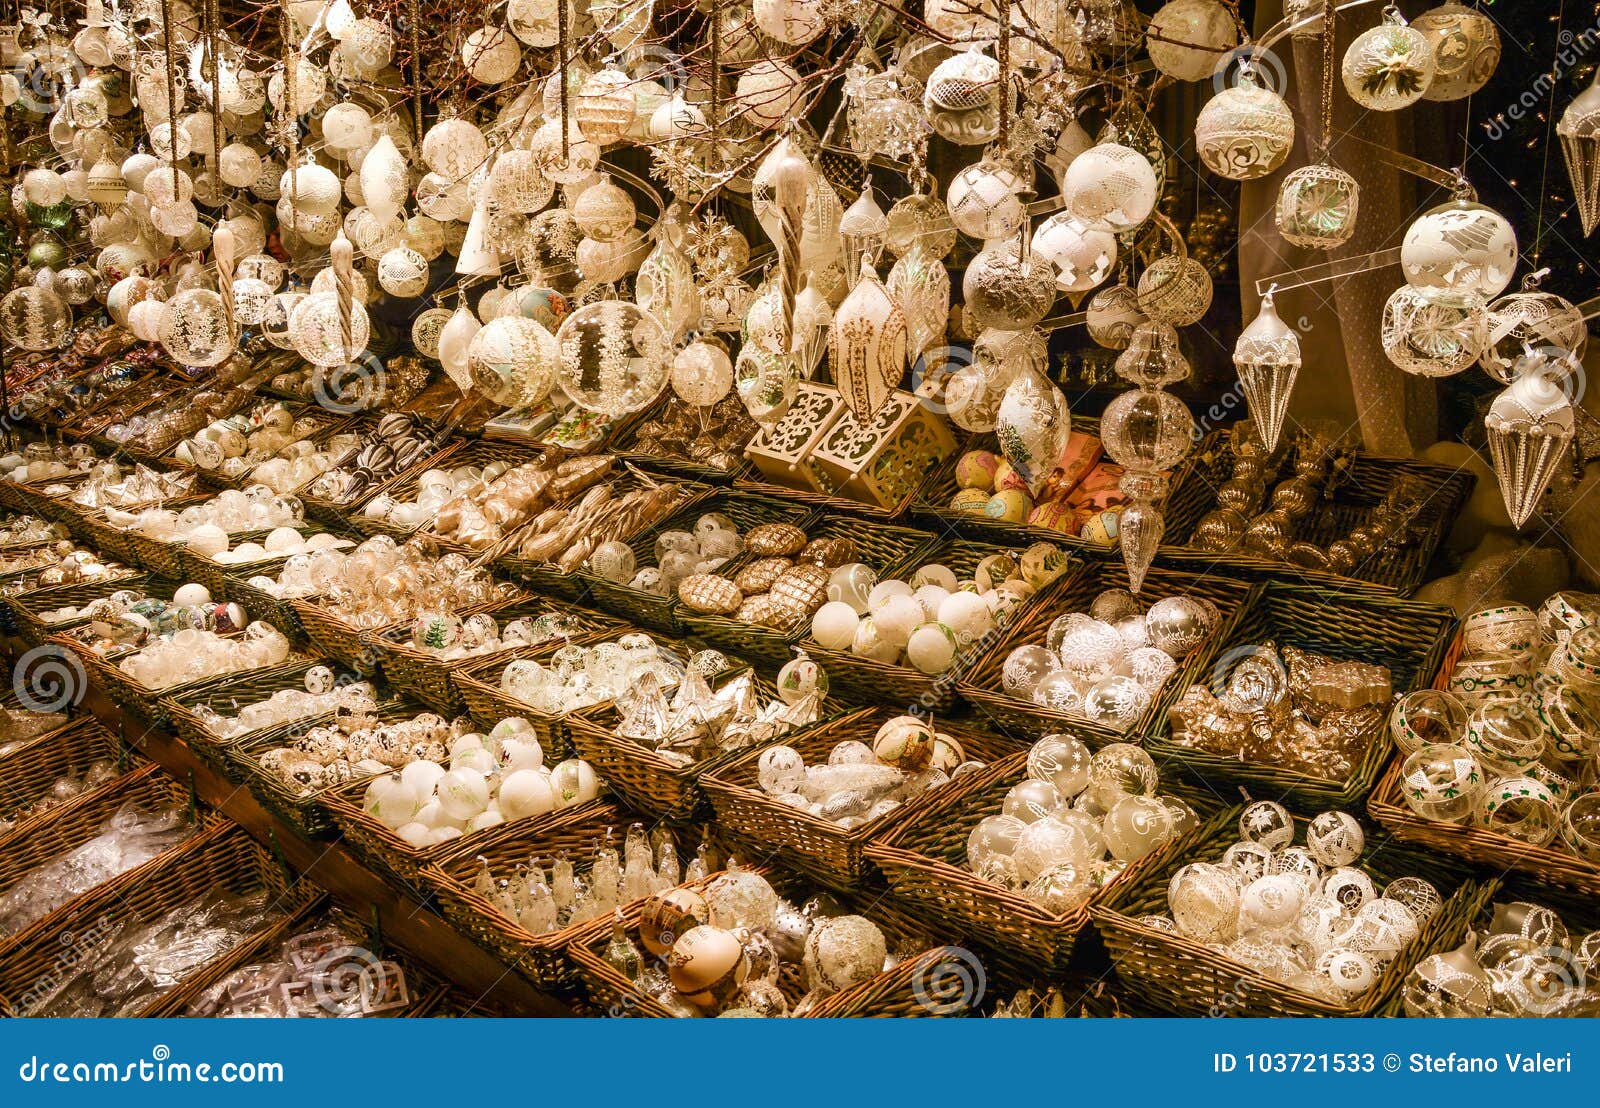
(1529, 427)
(1267, 357)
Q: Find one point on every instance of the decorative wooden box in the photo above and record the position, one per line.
(887, 460)
(783, 452)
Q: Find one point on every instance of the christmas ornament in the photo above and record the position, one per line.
(1390, 66)
(1267, 357)
(1466, 49)
(1083, 258)
(921, 286)
(1531, 321)
(984, 201)
(1317, 206)
(1110, 188)
(1430, 338)
(1460, 253)
(867, 345)
(962, 98)
(1032, 424)
(1529, 427)
(1579, 131)
(1244, 132)
(614, 357)
(1112, 315)
(1007, 288)
(863, 227)
(1188, 39)
(1175, 290)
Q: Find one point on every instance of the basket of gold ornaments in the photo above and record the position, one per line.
(1014, 854)
(760, 944)
(1250, 923)
(819, 798)
(762, 602)
(637, 579)
(653, 746)
(1294, 697)
(1501, 765)
(1534, 953)
(906, 640)
(1097, 660)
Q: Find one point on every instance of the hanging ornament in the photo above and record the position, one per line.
(1112, 315)
(962, 98)
(1141, 526)
(35, 319)
(491, 55)
(1388, 67)
(1083, 258)
(1317, 206)
(702, 374)
(767, 93)
(425, 331)
(605, 106)
(867, 345)
(1431, 338)
(812, 315)
(1267, 357)
(780, 194)
(921, 286)
(1529, 426)
(512, 360)
(455, 339)
(1110, 188)
(920, 220)
(534, 22)
(604, 211)
(767, 383)
(1579, 130)
(863, 227)
(1466, 49)
(1007, 289)
(1146, 430)
(793, 22)
(403, 272)
(1244, 132)
(985, 202)
(664, 285)
(1175, 290)
(385, 179)
(1531, 320)
(1033, 423)
(1461, 253)
(615, 357)
(1188, 38)
(477, 257)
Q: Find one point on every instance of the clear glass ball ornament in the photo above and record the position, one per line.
(1187, 39)
(920, 220)
(76, 284)
(425, 331)
(367, 47)
(579, 161)
(985, 202)
(310, 86)
(1244, 132)
(403, 272)
(962, 98)
(262, 267)
(176, 220)
(194, 329)
(1430, 338)
(605, 107)
(1388, 67)
(491, 55)
(1083, 257)
(516, 183)
(1317, 206)
(512, 360)
(1006, 290)
(767, 383)
(1110, 187)
(1466, 49)
(251, 298)
(316, 331)
(702, 374)
(443, 198)
(793, 22)
(86, 106)
(454, 148)
(34, 319)
(1442, 781)
(1175, 290)
(360, 289)
(1461, 253)
(166, 187)
(614, 357)
(275, 325)
(1147, 430)
(1531, 319)
(1153, 359)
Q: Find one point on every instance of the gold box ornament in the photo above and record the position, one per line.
(883, 461)
(782, 452)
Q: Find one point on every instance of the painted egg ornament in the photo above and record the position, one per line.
(799, 678)
(668, 915)
(905, 742)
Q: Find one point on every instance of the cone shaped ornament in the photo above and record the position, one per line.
(920, 284)
(1579, 130)
(867, 345)
(1140, 528)
(812, 314)
(1267, 358)
(1530, 426)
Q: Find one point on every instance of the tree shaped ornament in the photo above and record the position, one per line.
(867, 345)
(1529, 425)
(1267, 357)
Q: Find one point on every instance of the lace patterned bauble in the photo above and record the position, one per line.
(984, 201)
(1317, 206)
(1466, 49)
(1112, 315)
(251, 299)
(1388, 67)
(1460, 253)
(1032, 423)
(1244, 132)
(33, 318)
(1006, 290)
(604, 108)
(194, 329)
(962, 98)
(367, 47)
(1083, 257)
(614, 357)
(454, 148)
(1529, 427)
(1146, 430)
(513, 360)
(534, 22)
(604, 211)
(767, 93)
(577, 164)
(794, 22)
(1187, 39)
(491, 55)
(1430, 338)
(1110, 188)
(425, 331)
(920, 220)
(316, 331)
(1175, 290)
(403, 272)
(702, 374)
(1531, 319)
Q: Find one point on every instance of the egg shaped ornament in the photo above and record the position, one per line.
(403, 272)
(317, 330)
(454, 148)
(512, 360)
(1110, 187)
(665, 286)
(34, 319)
(702, 373)
(1530, 319)
(984, 201)
(1146, 430)
(534, 22)
(920, 284)
(767, 93)
(1529, 427)
(275, 325)
(455, 338)
(1466, 49)
(1390, 66)
(1244, 132)
(867, 345)
(1032, 424)
(1006, 289)
(1187, 39)
(194, 329)
(1462, 253)
(962, 98)
(614, 357)
(425, 330)
(1431, 338)
(491, 55)
(1083, 257)
(385, 179)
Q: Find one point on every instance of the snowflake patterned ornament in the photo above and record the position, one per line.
(1317, 206)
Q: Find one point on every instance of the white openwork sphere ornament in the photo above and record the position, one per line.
(512, 360)
(1110, 187)
(1317, 206)
(491, 55)
(251, 298)
(1188, 38)
(1389, 67)
(403, 272)
(604, 211)
(614, 357)
(767, 93)
(1006, 291)
(194, 329)
(239, 166)
(1532, 319)
(1431, 338)
(581, 159)
(454, 148)
(985, 201)
(605, 107)
(962, 98)
(316, 331)
(534, 22)
(34, 318)
(1460, 253)
(1466, 49)
(702, 374)
(1175, 290)
(1244, 132)
(1083, 257)
(1335, 838)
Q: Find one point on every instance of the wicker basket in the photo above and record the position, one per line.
(902, 686)
(28, 773)
(28, 607)
(488, 704)
(404, 488)
(820, 848)
(1408, 637)
(751, 481)
(120, 543)
(625, 445)
(882, 547)
(541, 958)
(281, 613)
(431, 679)
(1396, 570)
(226, 858)
(981, 686)
(219, 577)
(660, 613)
(912, 988)
(924, 860)
(75, 823)
(1188, 978)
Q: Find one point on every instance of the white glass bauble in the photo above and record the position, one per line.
(962, 98)
(577, 164)
(161, 141)
(1004, 290)
(702, 374)
(425, 331)
(604, 211)
(194, 329)
(1188, 39)
(33, 318)
(491, 55)
(1388, 67)
(794, 22)
(368, 47)
(275, 326)
(239, 165)
(176, 220)
(317, 332)
(144, 319)
(984, 201)
(251, 298)
(1466, 49)
(534, 22)
(1244, 132)
(441, 198)
(310, 188)
(371, 234)
(1083, 258)
(136, 167)
(1110, 188)
(1431, 338)
(167, 187)
(767, 93)
(125, 293)
(517, 184)
(403, 272)
(604, 108)
(347, 127)
(614, 357)
(1175, 290)
(677, 118)
(455, 338)
(266, 185)
(310, 86)
(512, 360)
(1461, 253)
(43, 187)
(105, 185)
(454, 148)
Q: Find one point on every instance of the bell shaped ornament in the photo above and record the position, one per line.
(863, 228)
(1267, 357)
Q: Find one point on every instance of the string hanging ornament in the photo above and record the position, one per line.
(1267, 358)
(1318, 204)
